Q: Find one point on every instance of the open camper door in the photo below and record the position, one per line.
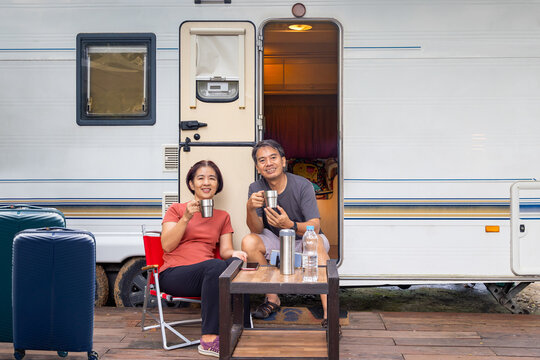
(217, 109)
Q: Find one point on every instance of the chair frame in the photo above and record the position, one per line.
(152, 288)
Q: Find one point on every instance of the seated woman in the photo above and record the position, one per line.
(189, 241)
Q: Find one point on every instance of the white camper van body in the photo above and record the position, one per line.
(438, 108)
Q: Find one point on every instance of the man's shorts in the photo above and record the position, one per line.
(271, 242)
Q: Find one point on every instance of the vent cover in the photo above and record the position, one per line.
(168, 200)
(170, 157)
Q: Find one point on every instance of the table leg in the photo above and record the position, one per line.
(238, 319)
(225, 324)
(333, 311)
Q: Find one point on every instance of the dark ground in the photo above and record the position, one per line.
(419, 298)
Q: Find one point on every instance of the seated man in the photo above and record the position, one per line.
(297, 208)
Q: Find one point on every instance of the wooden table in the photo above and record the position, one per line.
(237, 343)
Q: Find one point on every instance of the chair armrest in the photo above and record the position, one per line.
(149, 267)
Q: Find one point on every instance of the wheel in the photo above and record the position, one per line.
(19, 354)
(102, 287)
(62, 353)
(92, 355)
(130, 283)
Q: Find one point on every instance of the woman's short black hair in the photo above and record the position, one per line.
(270, 143)
(204, 163)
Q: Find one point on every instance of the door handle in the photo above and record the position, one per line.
(191, 125)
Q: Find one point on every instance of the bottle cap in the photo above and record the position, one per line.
(310, 227)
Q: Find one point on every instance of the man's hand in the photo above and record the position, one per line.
(281, 220)
(256, 200)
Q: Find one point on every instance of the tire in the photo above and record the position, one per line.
(19, 354)
(130, 283)
(102, 287)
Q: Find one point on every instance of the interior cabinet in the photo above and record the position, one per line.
(306, 76)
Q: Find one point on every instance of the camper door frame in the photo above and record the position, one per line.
(260, 106)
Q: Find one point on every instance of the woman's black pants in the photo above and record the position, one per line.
(201, 279)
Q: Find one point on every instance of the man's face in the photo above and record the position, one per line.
(269, 163)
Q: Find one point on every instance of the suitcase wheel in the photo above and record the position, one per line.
(19, 354)
(62, 353)
(92, 355)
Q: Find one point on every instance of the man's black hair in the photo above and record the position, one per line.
(267, 142)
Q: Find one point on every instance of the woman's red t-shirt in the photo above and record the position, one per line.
(200, 237)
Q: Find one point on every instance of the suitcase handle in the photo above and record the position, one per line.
(20, 206)
(54, 228)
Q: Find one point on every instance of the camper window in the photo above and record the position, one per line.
(217, 65)
(116, 79)
(217, 68)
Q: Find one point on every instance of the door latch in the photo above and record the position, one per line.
(191, 125)
(186, 147)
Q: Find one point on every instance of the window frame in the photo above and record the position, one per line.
(121, 39)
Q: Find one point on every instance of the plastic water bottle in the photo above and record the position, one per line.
(309, 255)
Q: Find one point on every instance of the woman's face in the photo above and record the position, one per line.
(204, 183)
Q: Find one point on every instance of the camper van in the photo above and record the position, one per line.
(417, 122)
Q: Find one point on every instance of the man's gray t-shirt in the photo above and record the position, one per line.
(298, 200)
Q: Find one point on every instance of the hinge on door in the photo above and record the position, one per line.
(260, 126)
(260, 46)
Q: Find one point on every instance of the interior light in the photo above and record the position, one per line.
(300, 27)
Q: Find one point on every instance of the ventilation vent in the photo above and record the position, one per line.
(168, 200)
(170, 157)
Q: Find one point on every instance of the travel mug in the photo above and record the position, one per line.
(270, 196)
(287, 238)
(207, 208)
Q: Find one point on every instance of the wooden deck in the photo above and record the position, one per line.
(370, 335)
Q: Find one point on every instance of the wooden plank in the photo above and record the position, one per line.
(285, 343)
(434, 351)
(267, 279)
(513, 351)
(461, 318)
(516, 343)
(353, 340)
(365, 320)
(414, 334)
(465, 357)
(271, 274)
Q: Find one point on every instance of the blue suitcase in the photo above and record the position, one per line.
(53, 291)
(15, 218)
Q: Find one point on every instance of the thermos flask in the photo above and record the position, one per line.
(287, 238)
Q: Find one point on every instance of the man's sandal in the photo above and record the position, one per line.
(265, 309)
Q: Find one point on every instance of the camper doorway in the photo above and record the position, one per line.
(301, 107)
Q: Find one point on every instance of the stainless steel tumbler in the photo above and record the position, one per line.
(287, 238)
(207, 208)
(270, 196)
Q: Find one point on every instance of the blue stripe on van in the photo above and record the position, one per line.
(415, 47)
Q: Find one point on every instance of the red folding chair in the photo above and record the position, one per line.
(154, 259)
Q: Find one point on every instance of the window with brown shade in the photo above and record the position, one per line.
(116, 79)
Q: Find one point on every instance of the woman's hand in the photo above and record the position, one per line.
(239, 254)
(192, 207)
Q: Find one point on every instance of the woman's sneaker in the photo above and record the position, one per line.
(209, 348)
